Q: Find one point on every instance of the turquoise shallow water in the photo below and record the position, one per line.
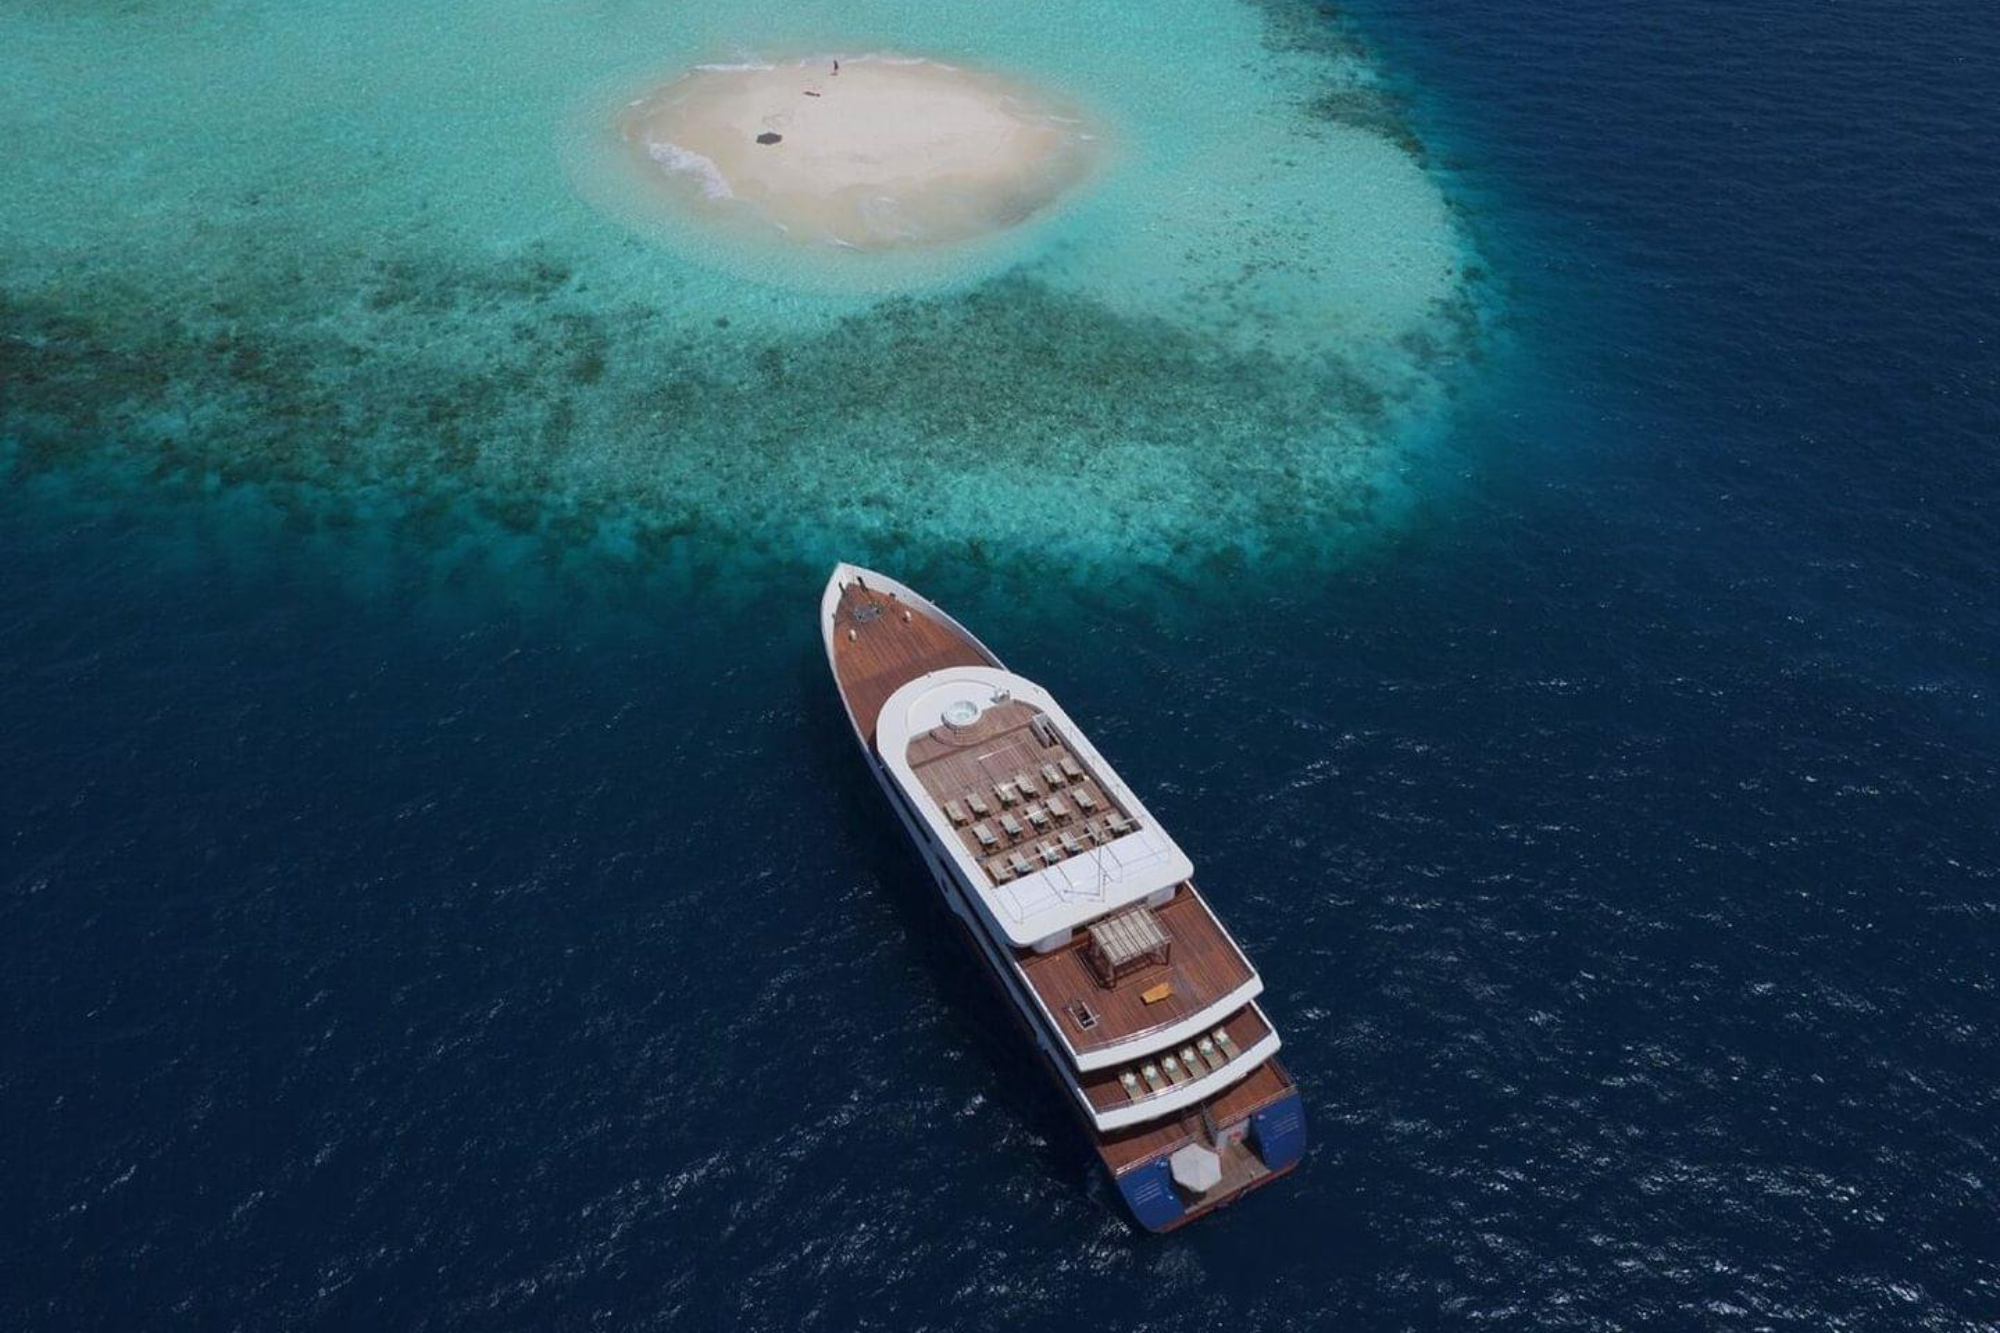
(365, 265)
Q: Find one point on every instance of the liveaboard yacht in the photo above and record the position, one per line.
(1076, 899)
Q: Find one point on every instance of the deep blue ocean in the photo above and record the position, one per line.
(388, 941)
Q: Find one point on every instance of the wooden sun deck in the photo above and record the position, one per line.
(881, 643)
(1202, 968)
(957, 764)
(1106, 1093)
(1126, 1148)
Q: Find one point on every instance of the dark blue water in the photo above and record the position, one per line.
(1618, 841)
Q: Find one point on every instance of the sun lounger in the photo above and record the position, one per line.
(1072, 844)
(954, 812)
(1058, 808)
(1037, 816)
(1021, 864)
(1211, 1057)
(1130, 1082)
(1151, 1073)
(1120, 825)
(1000, 870)
(985, 836)
(1192, 1062)
(1049, 853)
(1027, 785)
(1085, 801)
(1011, 825)
(1071, 770)
(1052, 776)
(1171, 1067)
(1227, 1044)
(977, 804)
(1005, 791)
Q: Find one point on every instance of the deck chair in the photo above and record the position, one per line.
(1058, 809)
(1120, 824)
(1226, 1043)
(1072, 844)
(1027, 785)
(1000, 870)
(977, 804)
(954, 812)
(1130, 1082)
(1151, 1073)
(1071, 770)
(1052, 776)
(1049, 854)
(985, 836)
(1020, 864)
(1037, 816)
(1011, 825)
(1005, 791)
(1211, 1057)
(1084, 800)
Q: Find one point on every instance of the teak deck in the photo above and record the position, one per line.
(980, 758)
(880, 645)
(1106, 1093)
(1126, 1148)
(1202, 968)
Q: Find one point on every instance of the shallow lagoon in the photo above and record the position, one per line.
(362, 263)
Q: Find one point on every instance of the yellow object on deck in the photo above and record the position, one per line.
(1154, 994)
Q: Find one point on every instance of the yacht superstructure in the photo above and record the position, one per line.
(1076, 899)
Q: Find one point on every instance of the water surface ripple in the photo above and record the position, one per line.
(381, 947)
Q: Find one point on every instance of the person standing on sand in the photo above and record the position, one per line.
(836, 67)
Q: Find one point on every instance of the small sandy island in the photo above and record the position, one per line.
(869, 152)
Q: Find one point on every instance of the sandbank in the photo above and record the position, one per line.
(886, 152)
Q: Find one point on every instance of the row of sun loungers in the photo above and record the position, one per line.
(1067, 842)
(1023, 811)
(1022, 786)
(1055, 810)
(1204, 1057)
(1097, 831)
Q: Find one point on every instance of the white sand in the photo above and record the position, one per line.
(888, 152)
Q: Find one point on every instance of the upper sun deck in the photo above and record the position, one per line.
(1034, 817)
